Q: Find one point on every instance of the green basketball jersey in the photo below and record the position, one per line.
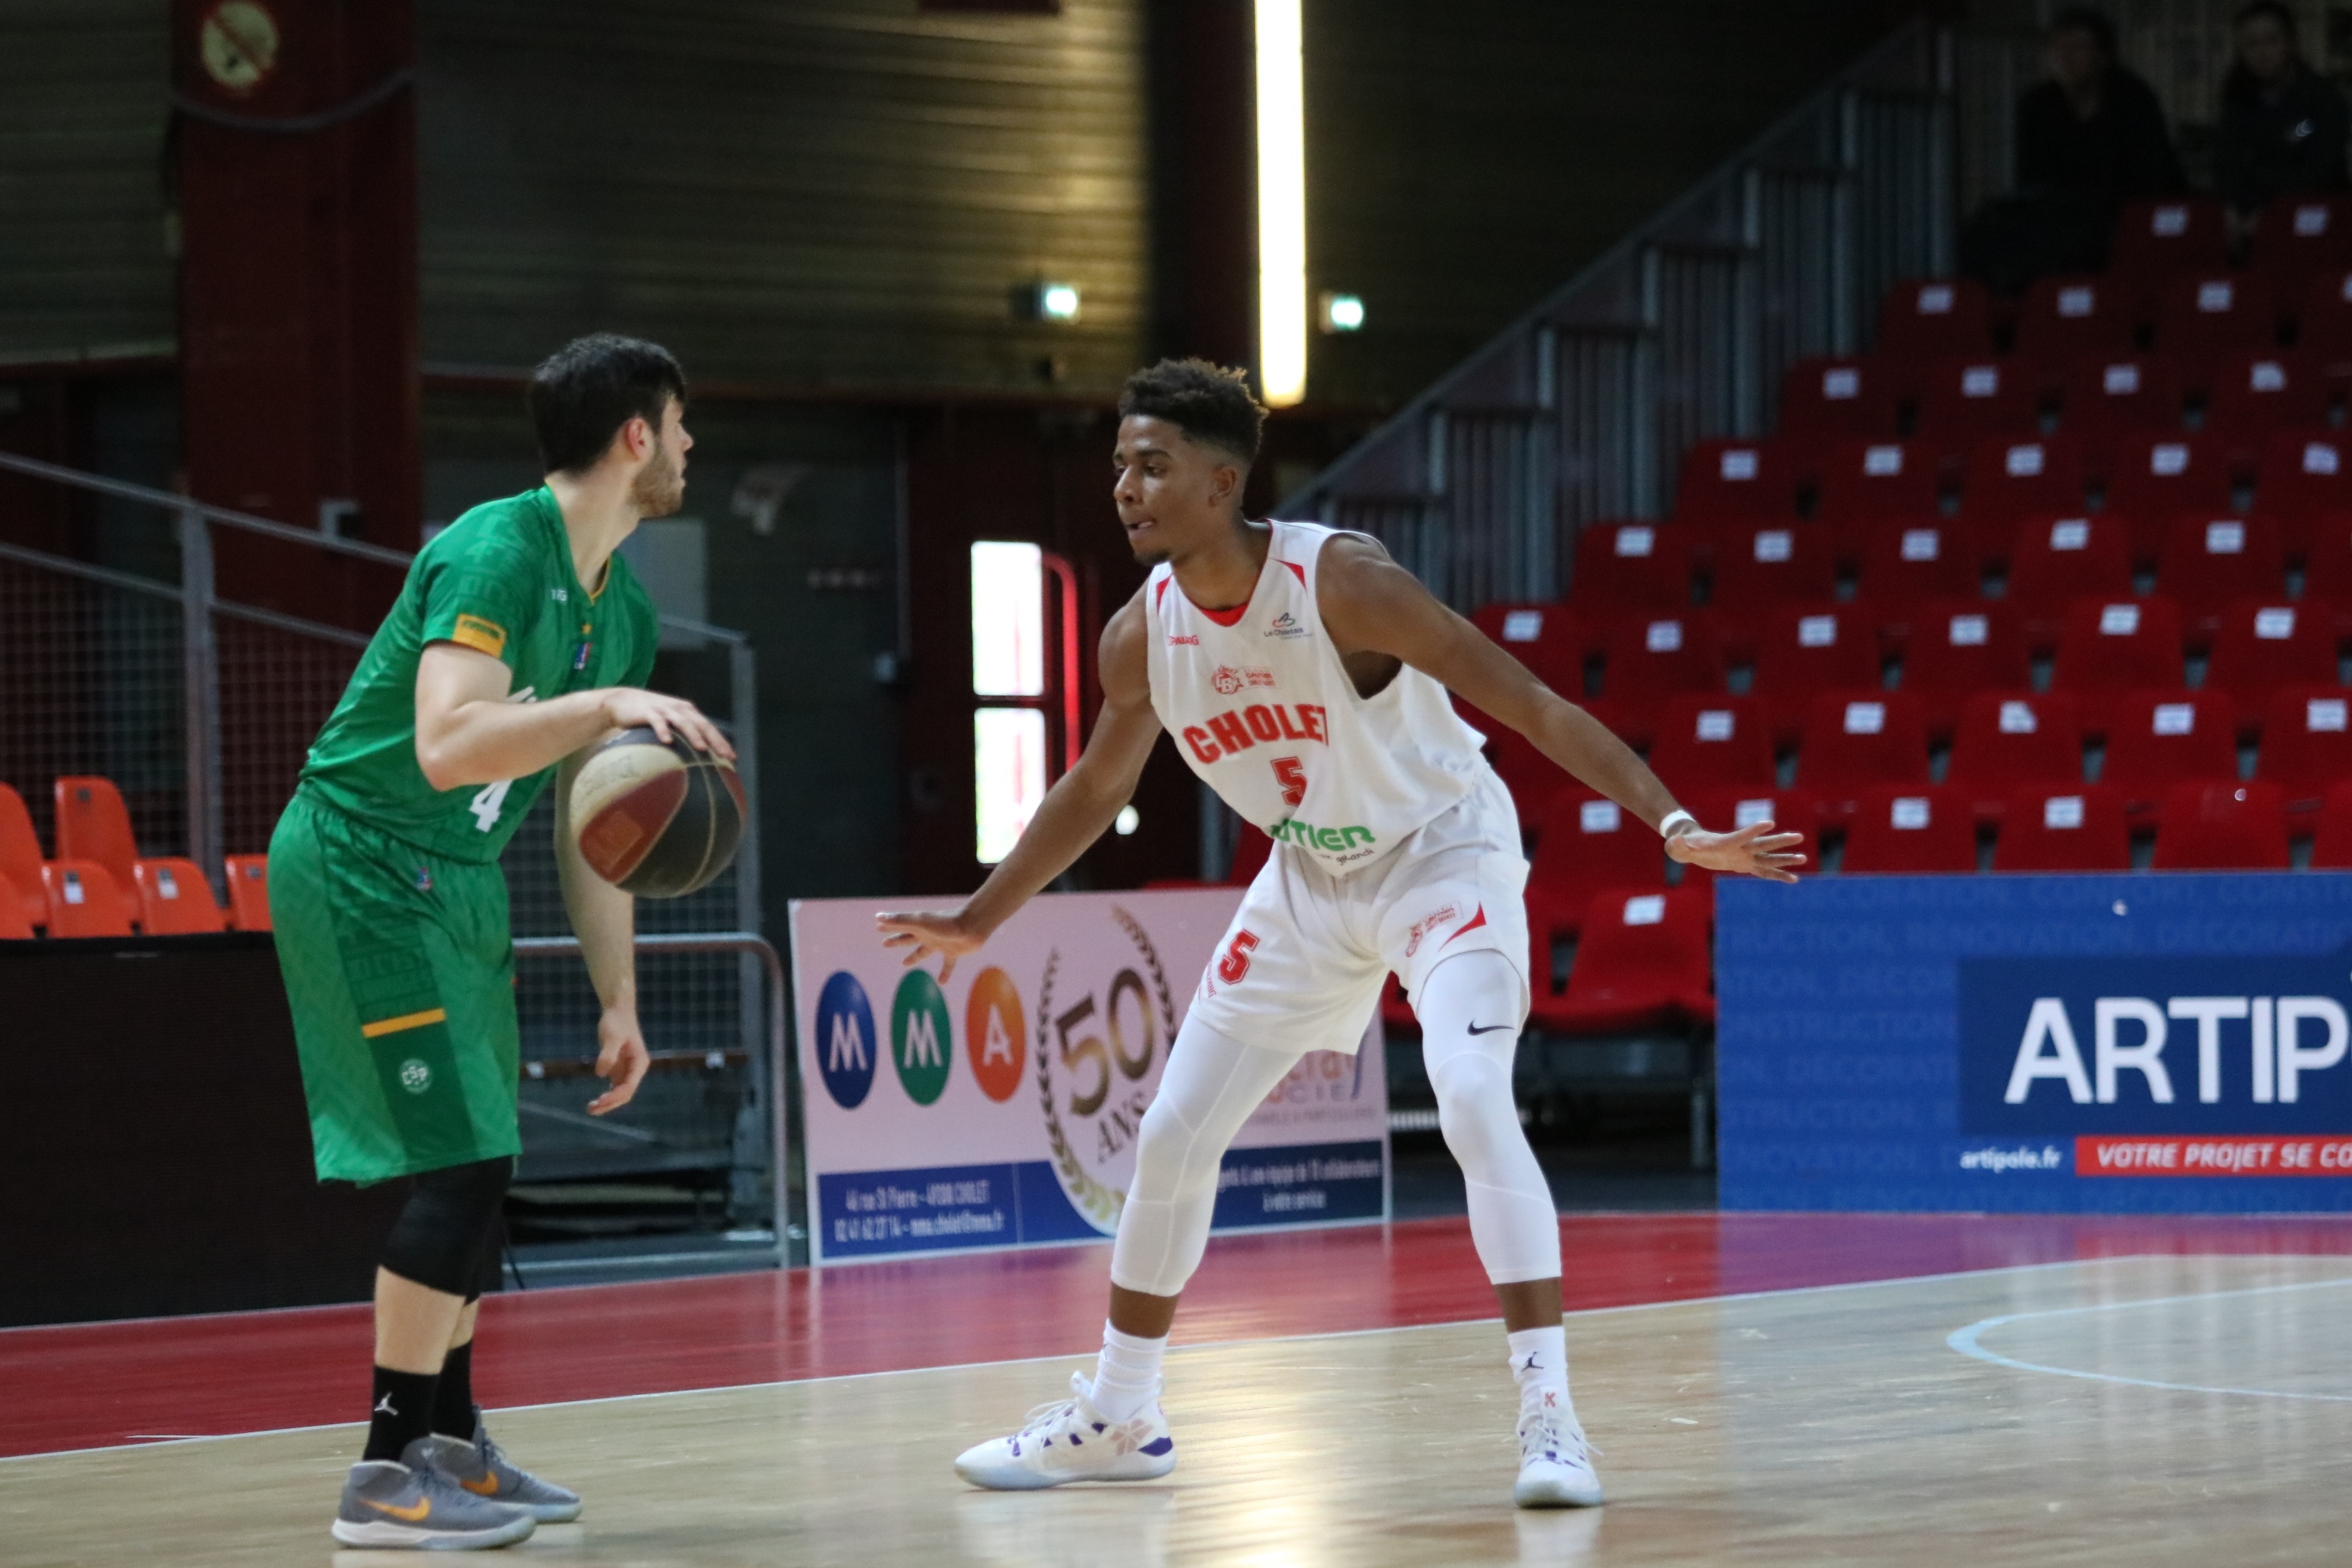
(498, 580)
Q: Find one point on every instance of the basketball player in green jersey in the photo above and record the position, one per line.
(519, 641)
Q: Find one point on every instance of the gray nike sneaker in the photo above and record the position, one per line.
(411, 1505)
(482, 1468)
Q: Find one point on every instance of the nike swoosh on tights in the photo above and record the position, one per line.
(1486, 1028)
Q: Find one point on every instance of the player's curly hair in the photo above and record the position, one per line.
(1207, 402)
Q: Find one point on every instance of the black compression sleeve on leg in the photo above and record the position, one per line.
(438, 1240)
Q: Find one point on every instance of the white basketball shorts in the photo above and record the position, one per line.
(1302, 966)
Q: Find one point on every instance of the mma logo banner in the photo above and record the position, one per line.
(1007, 1113)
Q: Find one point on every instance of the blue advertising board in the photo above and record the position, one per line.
(2080, 1044)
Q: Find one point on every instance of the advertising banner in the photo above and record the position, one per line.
(2145, 1043)
(1002, 1108)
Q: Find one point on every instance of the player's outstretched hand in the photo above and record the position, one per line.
(628, 707)
(923, 932)
(621, 1059)
(1759, 849)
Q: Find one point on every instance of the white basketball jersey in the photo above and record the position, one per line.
(1263, 710)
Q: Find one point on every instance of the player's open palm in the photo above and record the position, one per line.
(621, 1059)
(922, 933)
(1759, 849)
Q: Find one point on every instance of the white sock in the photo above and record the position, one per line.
(1128, 1375)
(1539, 1362)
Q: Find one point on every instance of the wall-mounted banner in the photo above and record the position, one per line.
(2116, 1043)
(1001, 1110)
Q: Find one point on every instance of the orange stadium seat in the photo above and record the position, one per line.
(84, 900)
(1909, 828)
(2222, 827)
(93, 825)
(1642, 961)
(14, 926)
(248, 889)
(174, 899)
(2072, 828)
(20, 858)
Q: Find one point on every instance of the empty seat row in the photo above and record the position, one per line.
(2144, 474)
(98, 885)
(2199, 311)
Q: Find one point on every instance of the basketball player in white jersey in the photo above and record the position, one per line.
(1304, 675)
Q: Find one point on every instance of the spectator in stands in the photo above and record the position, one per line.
(2283, 124)
(2090, 138)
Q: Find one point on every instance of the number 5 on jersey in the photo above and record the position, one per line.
(1291, 774)
(1234, 963)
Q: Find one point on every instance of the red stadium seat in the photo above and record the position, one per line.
(2010, 739)
(1831, 399)
(2254, 396)
(1650, 660)
(2009, 478)
(2299, 237)
(2106, 397)
(1909, 829)
(2111, 648)
(2327, 571)
(1759, 565)
(1929, 558)
(2332, 849)
(174, 899)
(1736, 478)
(2077, 827)
(20, 858)
(2306, 747)
(1551, 640)
(1709, 742)
(249, 886)
(1642, 962)
(2053, 562)
(2158, 739)
(2323, 325)
(1729, 810)
(1861, 481)
(2208, 560)
(1622, 566)
(1960, 646)
(2157, 237)
(14, 925)
(2222, 827)
(2204, 317)
(2162, 477)
(2303, 473)
(2264, 645)
(2066, 318)
(92, 825)
(1586, 844)
(1920, 318)
(1804, 648)
(1857, 739)
(1966, 400)
(83, 900)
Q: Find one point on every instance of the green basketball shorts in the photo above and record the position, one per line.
(399, 969)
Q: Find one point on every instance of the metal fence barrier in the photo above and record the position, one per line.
(200, 709)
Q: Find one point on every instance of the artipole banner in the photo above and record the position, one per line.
(1001, 1110)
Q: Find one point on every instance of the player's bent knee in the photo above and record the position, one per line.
(438, 1239)
(1164, 1156)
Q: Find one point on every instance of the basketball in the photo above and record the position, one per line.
(654, 817)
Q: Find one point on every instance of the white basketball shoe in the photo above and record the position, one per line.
(1070, 1441)
(1555, 1461)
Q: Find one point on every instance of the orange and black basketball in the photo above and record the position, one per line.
(657, 819)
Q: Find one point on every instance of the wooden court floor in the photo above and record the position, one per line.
(2141, 1410)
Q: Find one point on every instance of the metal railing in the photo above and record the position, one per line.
(202, 708)
(1580, 409)
(774, 1076)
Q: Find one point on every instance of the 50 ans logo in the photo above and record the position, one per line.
(1099, 1054)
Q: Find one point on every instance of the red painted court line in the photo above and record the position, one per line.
(102, 1384)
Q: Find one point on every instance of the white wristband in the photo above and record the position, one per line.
(1666, 829)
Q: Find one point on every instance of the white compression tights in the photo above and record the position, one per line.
(1213, 1082)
